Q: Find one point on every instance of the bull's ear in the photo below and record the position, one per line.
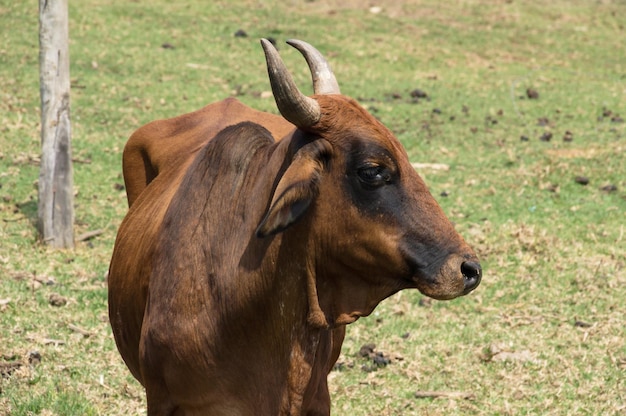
(296, 189)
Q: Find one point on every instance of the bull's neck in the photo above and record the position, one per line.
(280, 321)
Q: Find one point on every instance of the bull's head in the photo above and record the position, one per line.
(374, 218)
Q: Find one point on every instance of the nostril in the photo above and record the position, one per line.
(472, 273)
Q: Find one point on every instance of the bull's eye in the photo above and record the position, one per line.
(374, 175)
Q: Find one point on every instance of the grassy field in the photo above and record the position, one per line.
(536, 184)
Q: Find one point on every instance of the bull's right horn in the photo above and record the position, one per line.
(296, 107)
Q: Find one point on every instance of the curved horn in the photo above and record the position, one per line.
(324, 81)
(296, 107)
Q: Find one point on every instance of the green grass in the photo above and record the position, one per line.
(554, 251)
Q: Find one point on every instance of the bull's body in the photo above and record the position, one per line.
(243, 257)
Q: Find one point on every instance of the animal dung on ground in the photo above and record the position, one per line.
(532, 93)
(568, 136)
(417, 93)
(609, 188)
(366, 350)
(57, 300)
(614, 117)
(581, 180)
(376, 359)
(34, 357)
(546, 137)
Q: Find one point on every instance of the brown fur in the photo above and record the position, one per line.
(242, 258)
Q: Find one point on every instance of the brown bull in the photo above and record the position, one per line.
(242, 257)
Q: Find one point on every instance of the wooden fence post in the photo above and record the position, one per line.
(56, 195)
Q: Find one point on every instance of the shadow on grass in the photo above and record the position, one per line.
(30, 210)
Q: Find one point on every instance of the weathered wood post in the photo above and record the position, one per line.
(56, 198)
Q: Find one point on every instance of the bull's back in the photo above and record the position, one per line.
(166, 144)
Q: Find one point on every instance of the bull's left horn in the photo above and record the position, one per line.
(296, 107)
(324, 81)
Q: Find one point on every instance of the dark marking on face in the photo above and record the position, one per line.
(373, 179)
